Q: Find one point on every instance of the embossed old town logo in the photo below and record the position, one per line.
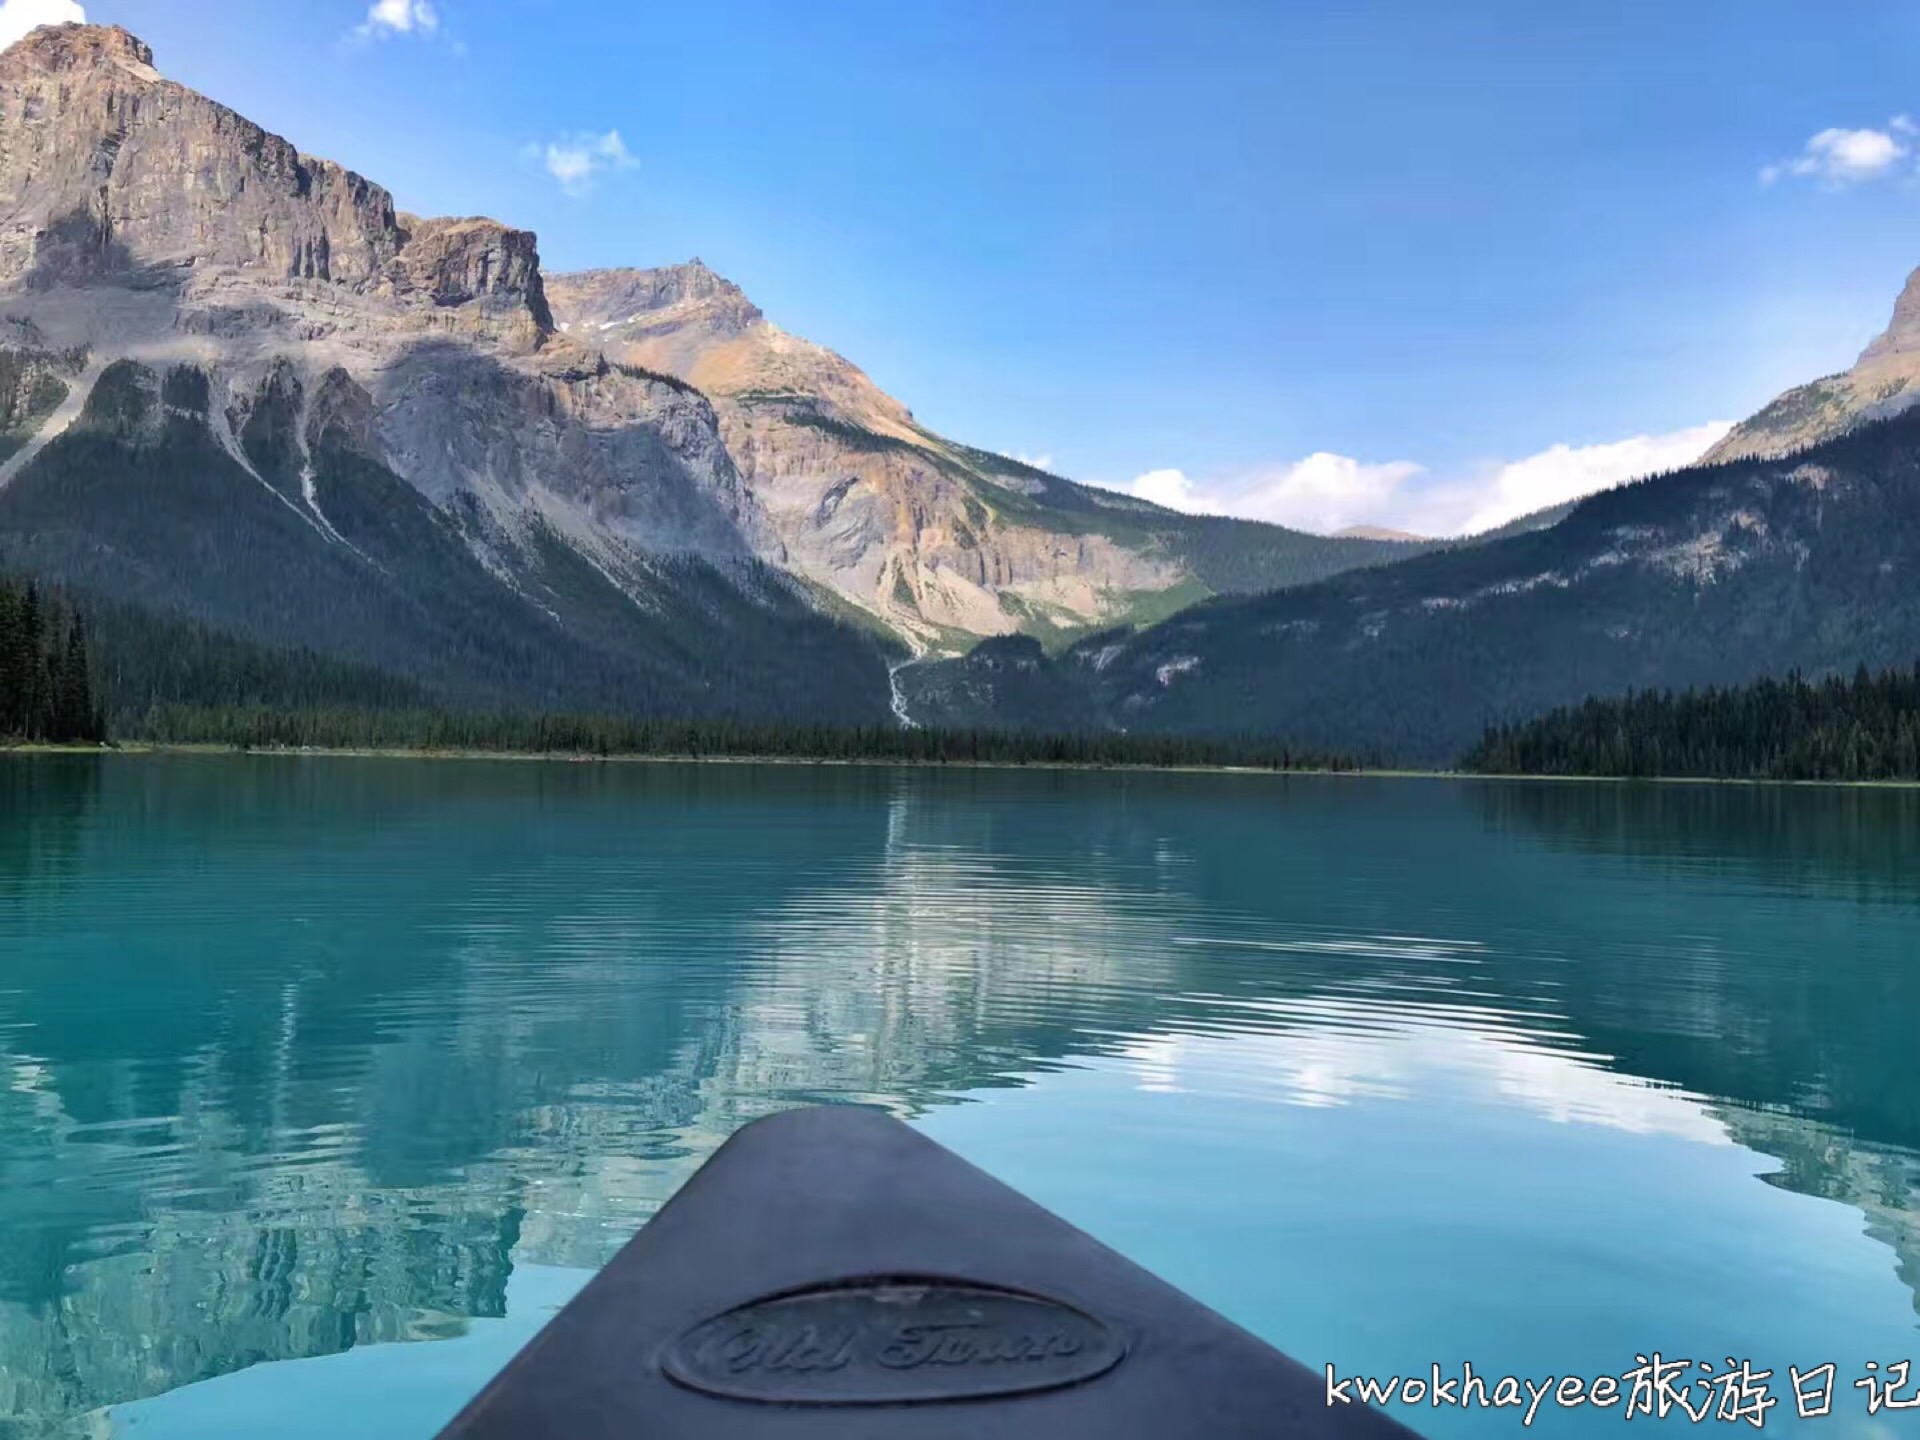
(892, 1342)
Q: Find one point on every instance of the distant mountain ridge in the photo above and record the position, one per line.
(1793, 545)
(1710, 575)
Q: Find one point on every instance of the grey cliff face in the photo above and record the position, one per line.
(150, 223)
(479, 270)
(105, 165)
(111, 172)
(858, 497)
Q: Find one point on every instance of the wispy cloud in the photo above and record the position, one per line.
(400, 17)
(579, 161)
(1837, 158)
(17, 17)
(1326, 492)
(1042, 461)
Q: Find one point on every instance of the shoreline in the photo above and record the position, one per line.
(158, 748)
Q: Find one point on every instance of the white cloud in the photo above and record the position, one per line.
(1567, 472)
(18, 17)
(578, 161)
(1174, 490)
(1042, 461)
(1327, 492)
(400, 17)
(1837, 157)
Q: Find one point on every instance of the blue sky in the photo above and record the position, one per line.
(1201, 241)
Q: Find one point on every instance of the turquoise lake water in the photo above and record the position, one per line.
(327, 1081)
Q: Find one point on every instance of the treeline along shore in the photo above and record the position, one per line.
(167, 681)
(1862, 729)
(442, 731)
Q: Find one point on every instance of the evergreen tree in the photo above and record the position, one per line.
(14, 651)
(73, 711)
(1865, 728)
(33, 667)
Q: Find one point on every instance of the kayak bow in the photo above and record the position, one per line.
(831, 1272)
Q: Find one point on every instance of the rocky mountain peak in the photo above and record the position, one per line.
(1902, 335)
(688, 321)
(1884, 382)
(63, 48)
(110, 173)
(657, 301)
(694, 280)
(108, 169)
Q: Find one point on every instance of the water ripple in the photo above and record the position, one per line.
(300, 1058)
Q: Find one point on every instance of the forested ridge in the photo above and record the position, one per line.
(1863, 728)
(168, 680)
(138, 505)
(78, 669)
(1709, 575)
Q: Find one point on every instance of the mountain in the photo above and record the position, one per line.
(1884, 381)
(240, 388)
(941, 542)
(1709, 575)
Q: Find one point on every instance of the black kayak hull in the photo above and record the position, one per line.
(831, 1272)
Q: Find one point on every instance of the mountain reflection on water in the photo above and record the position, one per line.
(303, 1055)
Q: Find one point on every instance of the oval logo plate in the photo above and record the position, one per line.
(892, 1342)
